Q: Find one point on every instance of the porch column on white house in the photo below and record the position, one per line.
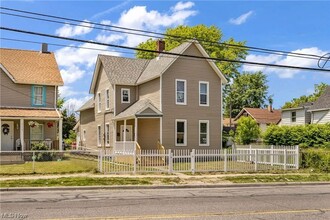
(125, 130)
(136, 130)
(21, 133)
(60, 134)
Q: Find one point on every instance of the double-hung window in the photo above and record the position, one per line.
(37, 133)
(125, 95)
(203, 93)
(107, 134)
(180, 92)
(204, 133)
(180, 132)
(99, 104)
(107, 99)
(293, 116)
(99, 135)
(38, 96)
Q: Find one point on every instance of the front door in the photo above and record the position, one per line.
(129, 132)
(7, 136)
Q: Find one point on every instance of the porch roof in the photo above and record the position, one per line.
(141, 108)
(28, 113)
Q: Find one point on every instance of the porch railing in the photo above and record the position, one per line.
(51, 144)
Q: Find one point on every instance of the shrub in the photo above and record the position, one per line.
(247, 130)
(318, 159)
(314, 135)
(42, 156)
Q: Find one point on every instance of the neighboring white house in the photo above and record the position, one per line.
(309, 113)
(297, 116)
(320, 111)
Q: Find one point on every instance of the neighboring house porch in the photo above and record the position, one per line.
(21, 129)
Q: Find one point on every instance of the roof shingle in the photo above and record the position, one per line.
(263, 116)
(29, 113)
(323, 102)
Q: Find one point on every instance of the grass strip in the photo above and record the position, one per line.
(279, 178)
(86, 181)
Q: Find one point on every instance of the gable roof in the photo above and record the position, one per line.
(323, 102)
(262, 116)
(30, 67)
(88, 105)
(138, 108)
(129, 71)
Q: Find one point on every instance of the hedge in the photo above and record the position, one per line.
(313, 135)
(318, 159)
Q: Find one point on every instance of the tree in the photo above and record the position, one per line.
(247, 90)
(247, 130)
(318, 91)
(204, 34)
(69, 120)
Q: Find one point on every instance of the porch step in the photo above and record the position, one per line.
(11, 158)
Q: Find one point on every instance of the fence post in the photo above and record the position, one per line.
(272, 155)
(256, 160)
(285, 155)
(170, 161)
(192, 159)
(225, 161)
(250, 153)
(134, 161)
(33, 160)
(297, 157)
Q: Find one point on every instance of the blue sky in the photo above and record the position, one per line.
(300, 26)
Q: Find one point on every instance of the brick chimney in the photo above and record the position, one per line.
(270, 108)
(44, 48)
(160, 46)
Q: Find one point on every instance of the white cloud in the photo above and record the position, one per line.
(182, 6)
(112, 38)
(71, 30)
(71, 74)
(67, 91)
(73, 104)
(284, 60)
(241, 19)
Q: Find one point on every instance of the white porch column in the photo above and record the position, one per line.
(161, 130)
(125, 130)
(60, 134)
(21, 133)
(136, 130)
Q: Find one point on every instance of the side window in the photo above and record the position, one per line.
(99, 104)
(180, 132)
(204, 133)
(125, 95)
(99, 135)
(38, 96)
(293, 116)
(180, 92)
(107, 99)
(203, 93)
(107, 134)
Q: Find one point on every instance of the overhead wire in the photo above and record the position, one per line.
(161, 52)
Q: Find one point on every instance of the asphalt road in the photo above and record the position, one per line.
(310, 202)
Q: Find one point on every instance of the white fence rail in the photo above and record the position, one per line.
(242, 159)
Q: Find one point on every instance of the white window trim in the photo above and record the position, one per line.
(185, 132)
(207, 93)
(129, 95)
(207, 134)
(107, 101)
(84, 135)
(176, 91)
(99, 104)
(99, 135)
(107, 138)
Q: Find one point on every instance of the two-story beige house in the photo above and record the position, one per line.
(170, 100)
(28, 96)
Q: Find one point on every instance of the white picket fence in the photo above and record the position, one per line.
(239, 159)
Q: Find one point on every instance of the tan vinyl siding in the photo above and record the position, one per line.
(192, 71)
(102, 85)
(148, 133)
(122, 106)
(321, 117)
(300, 117)
(150, 90)
(19, 95)
(87, 122)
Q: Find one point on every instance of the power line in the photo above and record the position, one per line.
(255, 49)
(162, 52)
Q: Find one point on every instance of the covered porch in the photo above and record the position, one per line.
(22, 129)
(138, 127)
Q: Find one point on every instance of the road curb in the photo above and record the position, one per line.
(128, 187)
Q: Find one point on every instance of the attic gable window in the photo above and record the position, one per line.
(125, 95)
(203, 93)
(99, 104)
(38, 96)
